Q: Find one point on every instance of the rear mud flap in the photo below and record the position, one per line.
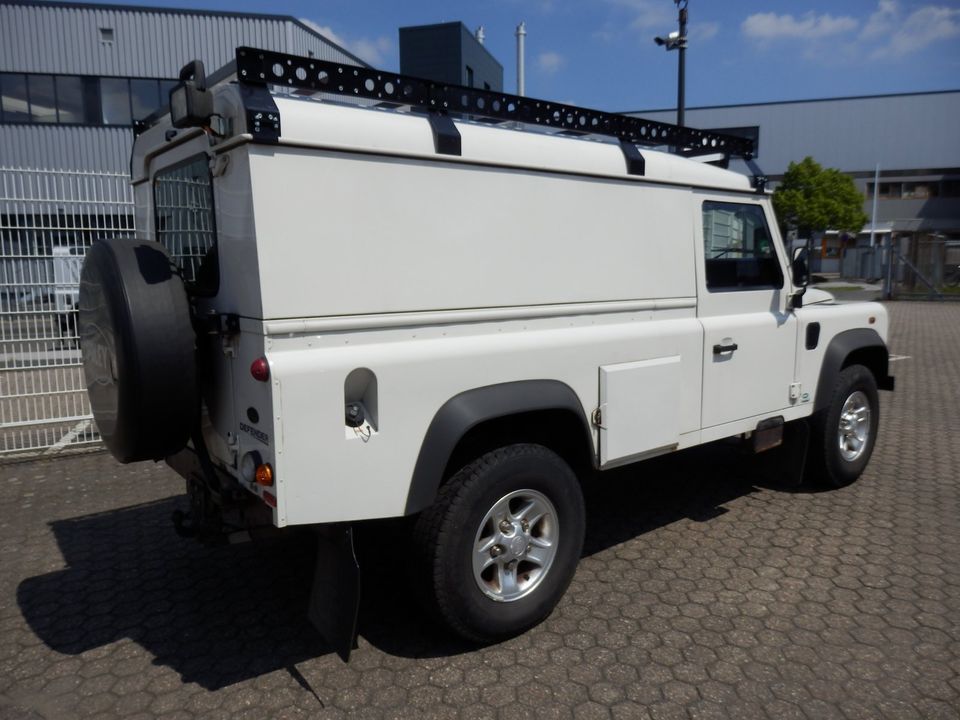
(335, 597)
(785, 464)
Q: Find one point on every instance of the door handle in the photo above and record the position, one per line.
(720, 349)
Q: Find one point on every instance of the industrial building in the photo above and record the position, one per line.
(74, 76)
(450, 53)
(914, 140)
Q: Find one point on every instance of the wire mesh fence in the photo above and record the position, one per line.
(926, 267)
(48, 220)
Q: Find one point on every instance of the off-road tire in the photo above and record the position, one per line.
(445, 536)
(826, 465)
(139, 349)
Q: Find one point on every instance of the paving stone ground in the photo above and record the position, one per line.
(704, 592)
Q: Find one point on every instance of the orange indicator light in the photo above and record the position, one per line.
(264, 475)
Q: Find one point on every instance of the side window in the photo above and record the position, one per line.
(738, 248)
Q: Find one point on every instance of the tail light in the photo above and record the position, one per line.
(260, 369)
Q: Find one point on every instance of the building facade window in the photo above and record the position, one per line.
(115, 101)
(14, 102)
(920, 190)
(80, 100)
(43, 99)
(144, 97)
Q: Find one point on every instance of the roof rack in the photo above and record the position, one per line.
(257, 68)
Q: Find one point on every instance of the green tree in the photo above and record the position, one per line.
(812, 198)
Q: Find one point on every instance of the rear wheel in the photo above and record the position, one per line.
(845, 433)
(502, 542)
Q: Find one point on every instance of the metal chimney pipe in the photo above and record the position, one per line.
(521, 34)
(479, 35)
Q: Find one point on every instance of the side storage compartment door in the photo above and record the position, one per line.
(639, 409)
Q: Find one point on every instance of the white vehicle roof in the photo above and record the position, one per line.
(274, 98)
(323, 124)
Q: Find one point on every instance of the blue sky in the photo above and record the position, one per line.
(600, 53)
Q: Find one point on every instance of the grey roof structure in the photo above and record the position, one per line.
(908, 131)
(913, 137)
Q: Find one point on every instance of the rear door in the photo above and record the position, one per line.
(750, 334)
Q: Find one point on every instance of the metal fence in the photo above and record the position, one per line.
(926, 267)
(48, 219)
(911, 266)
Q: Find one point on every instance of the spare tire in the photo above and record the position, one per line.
(138, 346)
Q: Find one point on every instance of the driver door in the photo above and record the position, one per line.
(750, 334)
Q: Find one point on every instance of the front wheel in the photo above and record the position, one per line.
(502, 541)
(845, 433)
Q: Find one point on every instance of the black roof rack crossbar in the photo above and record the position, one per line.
(439, 99)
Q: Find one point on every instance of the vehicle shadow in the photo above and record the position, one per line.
(217, 615)
(225, 614)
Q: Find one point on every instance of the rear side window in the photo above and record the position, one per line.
(183, 203)
(738, 248)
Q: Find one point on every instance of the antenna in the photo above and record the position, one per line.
(521, 35)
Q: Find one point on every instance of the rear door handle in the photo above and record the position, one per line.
(720, 349)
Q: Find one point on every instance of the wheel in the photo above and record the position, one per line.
(138, 347)
(501, 543)
(843, 436)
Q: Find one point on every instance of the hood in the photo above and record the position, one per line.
(816, 296)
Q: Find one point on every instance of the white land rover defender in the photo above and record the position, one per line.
(452, 303)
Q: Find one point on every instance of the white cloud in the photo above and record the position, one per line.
(549, 62)
(648, 14)
(324, 30)
(703, 31)
(881, 22)
(374, 51)
(371, 50)
(770, 26)
(898, 36)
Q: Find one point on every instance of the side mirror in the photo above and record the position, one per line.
(801, 274)
(801, 268)
(191, 104)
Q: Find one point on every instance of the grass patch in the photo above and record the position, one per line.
(843, 288)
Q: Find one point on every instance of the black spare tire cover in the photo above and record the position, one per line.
(138, 349)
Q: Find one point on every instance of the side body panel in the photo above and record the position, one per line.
(348, 234)
(328, 474)
(834, 320)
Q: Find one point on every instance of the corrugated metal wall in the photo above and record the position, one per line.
(904, 132)
(98, 149)
(147, 43)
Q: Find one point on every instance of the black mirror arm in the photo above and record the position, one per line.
(193, 70)
(796, 300)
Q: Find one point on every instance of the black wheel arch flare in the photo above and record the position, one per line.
(864, 345)
(467, 410)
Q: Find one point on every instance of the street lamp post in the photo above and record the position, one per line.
(678, 41)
